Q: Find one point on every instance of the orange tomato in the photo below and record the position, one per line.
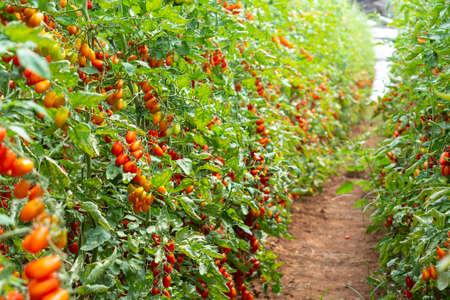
(31, 210)
(42, 86)
(37, 240)
(22, 166)
(42, 267)
(130, 137)
(49, 99)
(39, 288)
(72, 29)
(157, 150)
(162, 190)
(14, 295)
(59, 294)
(35, 20)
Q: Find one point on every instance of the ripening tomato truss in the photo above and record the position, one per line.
(149, 148)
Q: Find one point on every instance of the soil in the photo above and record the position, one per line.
(330, 255)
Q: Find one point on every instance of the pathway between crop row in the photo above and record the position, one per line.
(331, 255)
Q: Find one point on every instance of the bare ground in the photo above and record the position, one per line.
(330, 255)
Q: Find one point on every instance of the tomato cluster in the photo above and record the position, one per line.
(166, 135)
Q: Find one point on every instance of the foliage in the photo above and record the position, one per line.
(412, 167)
(170, 137)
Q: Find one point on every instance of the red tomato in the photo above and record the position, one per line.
(117, 148)
(2, 134)
(21, 189)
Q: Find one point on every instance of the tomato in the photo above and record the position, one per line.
(2, 134)
(440, 252)
(425, 275)
(130, 167)
(189, 189)
(43, 267)
(36, 192)
(9, 159)
(21, 189)
(117, 148)
(62, 3)
(98, 64)
(122, 159)
(37, 240)
(170, 246)
(168, 268)
(39, 288)
(74, 248)
(155, 291)
(130, 137)
(49, 99)
(59, 294)
(42, 86)
(85, 50)
(35, 20)
(171, 258)
(31, 210)
(162, 190)
(135, 146)
(157, 150)
(14, 295)
(61, 117)
(167, 280)
(138, 154)
(433, 273)
(72, 29)
(22, 166)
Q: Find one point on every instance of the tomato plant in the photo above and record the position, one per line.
(149, 147)
(412, 175)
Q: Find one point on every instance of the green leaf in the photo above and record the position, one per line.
(20, 132)
(95, 213)
(19, 32)
(188, 206)
(82, 137)
(100, 267)
(95, 238)
(82, 98)
(37, 64)
(5, 220)
(91, 289)
(186, 165)
(345, 188)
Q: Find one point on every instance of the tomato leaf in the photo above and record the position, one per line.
(37, 64)
(82, 98)
(95, 213)
(345, 188)
(82, 137)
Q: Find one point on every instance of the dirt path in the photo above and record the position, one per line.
(331, 255)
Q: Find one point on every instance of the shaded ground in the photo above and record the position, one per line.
(331, 255)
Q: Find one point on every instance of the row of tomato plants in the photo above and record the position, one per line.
(148, 148)
(412, 167)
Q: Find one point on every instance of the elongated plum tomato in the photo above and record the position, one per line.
(14, 295)
(22, 166)
(36, 192)
(43, 267)
(42, 86)
(37, 240)
(117, 148)
(39, 288)
(21, 189)
(59, 294)
(130, 137)
(31, 210)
